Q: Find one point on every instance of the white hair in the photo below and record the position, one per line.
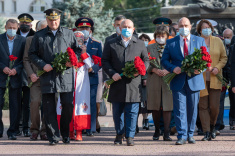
(228, 29)
(42, 22)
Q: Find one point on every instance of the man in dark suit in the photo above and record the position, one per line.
(45, 45)
(125, 93)
(11, 44)
(25, 30)
(94, 47)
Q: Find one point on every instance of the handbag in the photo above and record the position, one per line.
(103, 109)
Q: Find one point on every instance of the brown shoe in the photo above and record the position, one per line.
(34, 136)
(43, 137)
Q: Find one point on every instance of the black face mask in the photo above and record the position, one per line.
(24, 28)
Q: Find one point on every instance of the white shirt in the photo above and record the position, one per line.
(126, 42)
(24, 34)
(54, 31)
(182, 44)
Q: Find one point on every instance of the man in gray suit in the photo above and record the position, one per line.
(11, 44)
(125, 93)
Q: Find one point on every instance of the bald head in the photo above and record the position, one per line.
(228, 33)
(127, 28)
(126, 23)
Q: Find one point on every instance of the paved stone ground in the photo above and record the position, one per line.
(102, 144)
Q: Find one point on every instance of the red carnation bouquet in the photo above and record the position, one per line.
(199, 60)
(11, 64)
(131, 68)
(59, 62)
(97, 60)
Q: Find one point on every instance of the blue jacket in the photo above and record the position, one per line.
(94, 47)
(172, 57)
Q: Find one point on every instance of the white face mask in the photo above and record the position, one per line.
(184, 31)
(227, 41)
(161, 40)
(118, 30)
(86, 34)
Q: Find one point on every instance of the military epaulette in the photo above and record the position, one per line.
(95, 40)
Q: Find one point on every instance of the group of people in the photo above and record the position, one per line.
(67, 103)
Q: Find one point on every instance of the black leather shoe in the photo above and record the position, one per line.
(166, 137)
(26, 134)
(129, 141)
(137, 130)
(66, 140)
(207, 136)
(191, 140)
(200, 132)
(18, 133)
(90, 134)
(118, 139)
(213, 132)
(146, 121)
(180, 142)
(12, 137)
(98, 130)
(156, 135)
(53, 142)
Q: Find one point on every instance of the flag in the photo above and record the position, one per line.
(81, 114)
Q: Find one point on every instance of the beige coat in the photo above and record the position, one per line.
(157, 90)
(30, 68)
(219, 60)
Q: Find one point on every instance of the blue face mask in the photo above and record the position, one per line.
(146, 43)
(206, 32)
(177, 34)
(184, 31)
(11, 32)
(126, 32)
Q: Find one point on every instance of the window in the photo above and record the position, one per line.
(38, 6)
(2, 6)
(14, 6)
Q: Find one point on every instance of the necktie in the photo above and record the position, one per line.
(185, 48)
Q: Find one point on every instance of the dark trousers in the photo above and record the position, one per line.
(14, 108)
(220, 118)
(93, 92)
(50, 115)
(128, 125)
(24, 109)
(232, 107)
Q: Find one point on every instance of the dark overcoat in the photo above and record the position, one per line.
(115, 55)
(43, 50)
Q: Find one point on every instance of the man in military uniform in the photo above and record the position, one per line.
(94, 47)
(161, 21)
(45, 45)
(25, 30)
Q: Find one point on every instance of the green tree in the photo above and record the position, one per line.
(74, 9)
(141, 12)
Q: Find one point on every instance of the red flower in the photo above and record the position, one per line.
(209, 60)
(208, 64)
(139, 65)
(12, 58)
(203, 48)
(72, 57)
(97, 60)
(204, 58)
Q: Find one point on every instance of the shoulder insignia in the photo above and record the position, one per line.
(95, 40)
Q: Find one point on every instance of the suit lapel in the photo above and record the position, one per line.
(15, 45)
(178, 46)
(5, 44)
(120, 41)
(192, 44)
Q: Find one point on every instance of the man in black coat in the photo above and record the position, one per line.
(125, 93)
(25, 30)
(45, 45)
(11, 44)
